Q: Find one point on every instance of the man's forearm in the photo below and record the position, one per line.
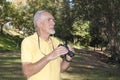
(64, 65)
(31, 68)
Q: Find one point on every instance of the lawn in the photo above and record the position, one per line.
(91, 65)
(10, 66)
(85, 66)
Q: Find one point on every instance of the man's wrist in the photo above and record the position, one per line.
(48, 58)
(68, 61)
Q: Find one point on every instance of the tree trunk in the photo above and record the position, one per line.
(1, 29)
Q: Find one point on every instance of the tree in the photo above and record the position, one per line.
(5, 13)
(104, 18)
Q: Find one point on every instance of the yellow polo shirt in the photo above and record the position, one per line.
(30, 52)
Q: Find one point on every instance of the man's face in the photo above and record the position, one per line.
(47, 23)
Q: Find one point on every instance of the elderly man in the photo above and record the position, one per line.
(40, 54)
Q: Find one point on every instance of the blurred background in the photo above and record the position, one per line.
(92, 27)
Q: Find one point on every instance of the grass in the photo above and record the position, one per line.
(10, 67)
(86, 65)
(83, 67)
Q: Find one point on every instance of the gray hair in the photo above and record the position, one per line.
(37, 16)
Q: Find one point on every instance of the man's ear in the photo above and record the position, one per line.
(38, 23)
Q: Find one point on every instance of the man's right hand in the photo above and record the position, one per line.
(61, 50)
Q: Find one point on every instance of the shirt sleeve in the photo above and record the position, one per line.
(26, 50)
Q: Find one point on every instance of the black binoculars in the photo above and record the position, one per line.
(70, 53)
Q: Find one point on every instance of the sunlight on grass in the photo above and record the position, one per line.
(1, 45)
(10, 69)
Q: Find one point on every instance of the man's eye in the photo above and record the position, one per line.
(51, 19)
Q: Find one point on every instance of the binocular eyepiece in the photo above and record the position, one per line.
(70, 53)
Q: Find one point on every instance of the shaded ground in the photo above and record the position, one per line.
(10, 66)
(86, 65)
(91, 65)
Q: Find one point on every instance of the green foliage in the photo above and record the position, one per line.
(81, 32)
(104, 17)
(9, 43)
(82, 22)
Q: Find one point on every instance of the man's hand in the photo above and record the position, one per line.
(65, 64)
(71, 49)
(61, 50)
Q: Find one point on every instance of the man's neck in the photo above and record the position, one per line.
(44, 37)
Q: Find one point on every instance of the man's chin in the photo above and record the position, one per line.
(53, 32)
